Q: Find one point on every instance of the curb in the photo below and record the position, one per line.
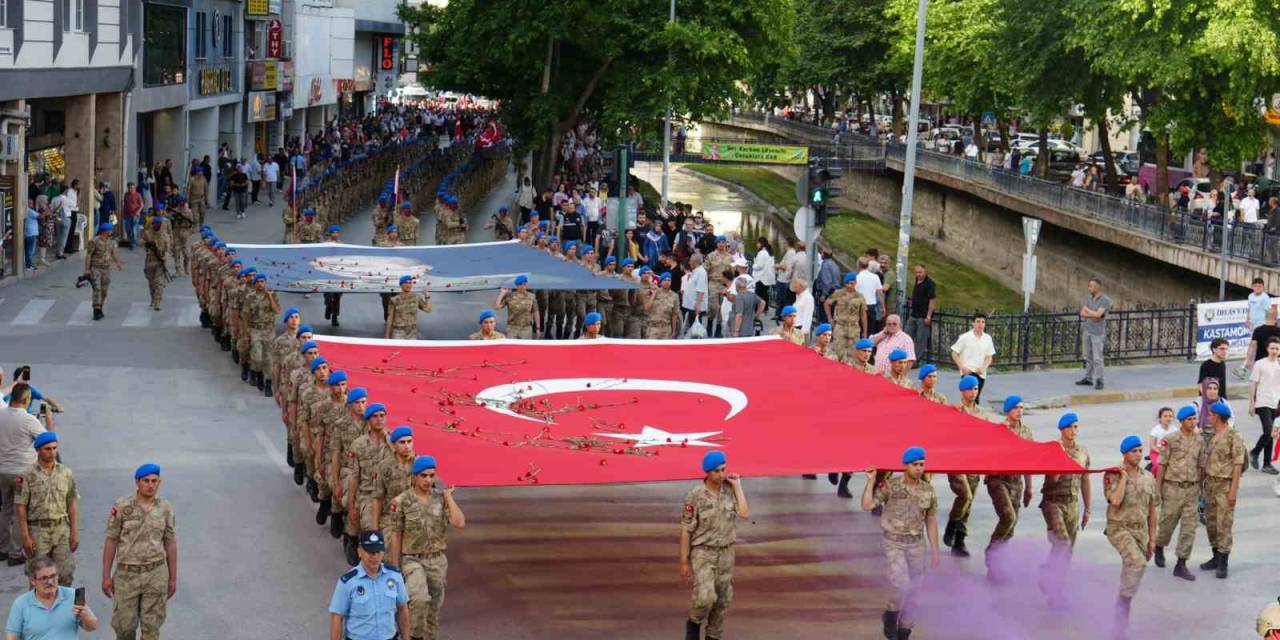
(1109, 397)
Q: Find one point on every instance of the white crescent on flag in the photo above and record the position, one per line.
(500, 398)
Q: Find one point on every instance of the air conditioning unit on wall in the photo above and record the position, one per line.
(10, 147)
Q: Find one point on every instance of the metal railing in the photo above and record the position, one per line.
(1046, 339)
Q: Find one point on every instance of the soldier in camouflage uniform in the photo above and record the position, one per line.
(342, 435)
(1178, 483)
(183, 223)
(402, 311)
(662, 309)
(708, 531)
(156, 242)
(309, 232)
(451, 227)
(46, 508)
(396, 472)
(909, 511)
(310, 396)
(591, 326)
(239, 303)
(1009, 493)
(327, 416)
(523, 319)
(381, 218)
(289, 218)
(1225, 460)
(417, 525)
(407, 224)
(848, 312)
(142, 543)
(788, 330)
(861, 360)
(488, 327)
(293, 371)
(365, 458)
(928, 377)
(716, 264)
(822, 342)
(900, 370)
(99, 253)
(1060, 504)
(1131, 524)
(965, 486)
(281, 346)
(260, 315)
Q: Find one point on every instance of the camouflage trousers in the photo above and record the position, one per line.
(424, 579)
(404, 333)
(635, 322)
(905, 561)
(520, 333)
(1218, 516)
(243, 343)
(1006, 497)
(716, 293)
(712, 586)
(154, 270)
(616, 323)
(366, 519)
(1130, 541)
(844, 338)
(53, 541)
(1062, 521)
(302, 445)
(320, 459)
(1179, 502)
(139, 602)
(964, 486)
(181, 250)
(101, 281)
(259, 348)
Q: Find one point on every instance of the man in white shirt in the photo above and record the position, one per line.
(786, 269)
(591, 215)
(801, 269)
(694, 292)
(254, 170)
(973, 351)
(59, 205)
(271, 173)
(868, 284)
(18, 431)
(1249, 208)
(804, 304)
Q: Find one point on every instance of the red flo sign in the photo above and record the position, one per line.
(275, 40)
(387, 61)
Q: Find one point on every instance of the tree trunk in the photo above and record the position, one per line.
(1003, 128)
(1042, 157)
(897, 114)
(1162, 169)
(978, 138)
(1109, 163)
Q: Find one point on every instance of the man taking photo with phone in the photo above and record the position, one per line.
(48, 610)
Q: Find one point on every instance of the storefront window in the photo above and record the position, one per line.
(165, 52)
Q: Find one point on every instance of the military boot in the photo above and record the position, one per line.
(288, 454)
(235, 357)
(268, 391)
(948, 535)
(349, 549)
(205, 320)
(843, 489)
(1212, 563)
(833, 478)
(335, 525)
(903, 634)
(1121, 629)
(244, 372)
(958, 548)
(890, 620)
(1160, 557)
(299, 473)
(226, 343)
(313, 490)
(1222, 565)
(261, 381)
(97, 313)
(1180, 571)
(692, 630)
(322, 514)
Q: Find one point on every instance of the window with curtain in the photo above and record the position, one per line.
(202, 44)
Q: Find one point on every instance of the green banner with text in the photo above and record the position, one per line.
(765, 153)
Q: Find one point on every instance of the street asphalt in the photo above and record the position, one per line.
(539, 562)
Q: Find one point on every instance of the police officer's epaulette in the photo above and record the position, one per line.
(391, 568)
(346, 577)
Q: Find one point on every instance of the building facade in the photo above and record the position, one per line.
(379, 35)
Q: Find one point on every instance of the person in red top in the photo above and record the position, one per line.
(132, 213)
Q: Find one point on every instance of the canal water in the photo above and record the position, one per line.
(723, 207)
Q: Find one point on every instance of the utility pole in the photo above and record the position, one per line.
(666, 128)
(909, 170)
(1226, 244)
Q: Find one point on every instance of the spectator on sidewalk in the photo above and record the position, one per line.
(694, 292)
(1216, 366)
(1164, 427)
(30, 233)
(271, 177)
(1093, 333)
(825, 284)
(48, 611)
(253, 169)
(924, 299)
(762, 269)
(18, 431)
(804, 304)
(973, 351)
(869, 285)
(1264, 402)
(132, 214)
(892, 339)
(1262, 333)
(785, 269)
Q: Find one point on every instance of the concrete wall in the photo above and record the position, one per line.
(989, 239)
(110, 139)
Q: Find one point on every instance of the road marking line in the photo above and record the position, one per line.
(188, 315)
(82, 316)
(33, 312)
(273, 452)
(139, 315)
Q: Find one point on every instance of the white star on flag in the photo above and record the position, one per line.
(653, 437)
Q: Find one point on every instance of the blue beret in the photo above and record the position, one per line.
(486, 314)
(159, 206)
(551, 239)
(105, 227)
(789, 310)
(303, 328)
(406, 205)
(610, 260)
(1221, 409)
(721, 238)
(308, 213)
(913, 454)
(45, 438)
(897, 354)
(502, 208)
(333, 228)
(666, 275)
(401, 432)
(522, 279)
(374, 408)
(592, 318)
(1011, 402)
(236, 263)
(422, 463)
(315, 364)
(1067, 420)
(1130, 443)
(260, 277)
(337, 376)
(391, 228)
(570, 245)
(1186, 412)
(356, 394)
(308, 345)
(586, 248)
(540, 235)
(926, 370)
(968, 382)
(822, 328)
(246, 271)
(627, 262)
(850, 277)
(221, 245)
(712, 461)
(290, 312)
(865, 343)
(643, 270)
(157, 220)
(404, 279)
(148, 469)
(205, 227)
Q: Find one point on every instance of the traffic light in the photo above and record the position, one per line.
(823, 189)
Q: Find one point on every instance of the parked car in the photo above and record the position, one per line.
(1127, 164)
(1199, 192)
(944, 139)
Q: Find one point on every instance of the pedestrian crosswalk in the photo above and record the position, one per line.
(50, 312)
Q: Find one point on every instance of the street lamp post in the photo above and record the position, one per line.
(666, 129)
(909, 170)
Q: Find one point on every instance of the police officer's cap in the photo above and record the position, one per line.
(372, 542)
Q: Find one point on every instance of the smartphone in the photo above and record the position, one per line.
(79, 596)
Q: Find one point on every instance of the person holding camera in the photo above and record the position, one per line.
(18, 432)
(48, 610)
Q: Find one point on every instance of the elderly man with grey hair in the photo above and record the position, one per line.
(746, 307)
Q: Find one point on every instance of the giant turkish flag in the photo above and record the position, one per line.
(600, 411)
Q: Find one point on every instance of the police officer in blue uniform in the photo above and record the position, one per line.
(370, 601)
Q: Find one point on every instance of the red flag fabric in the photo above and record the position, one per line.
(516, 412)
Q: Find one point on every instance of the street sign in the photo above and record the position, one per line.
(1031, 232)
(801, 225)
(1028, 280)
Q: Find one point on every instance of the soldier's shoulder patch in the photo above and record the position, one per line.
(351, 453)
(114, 511)
(20, 477)
(346, 577)
(688, 508)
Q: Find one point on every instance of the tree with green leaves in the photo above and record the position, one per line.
(620, 64)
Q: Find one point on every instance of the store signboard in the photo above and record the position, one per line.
(262, 106)
(264, 75)
(257, 7)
